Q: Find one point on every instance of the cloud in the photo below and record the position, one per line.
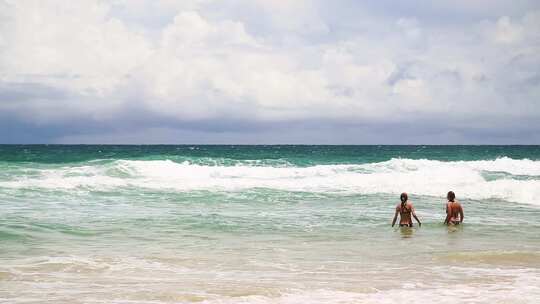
(266, 63)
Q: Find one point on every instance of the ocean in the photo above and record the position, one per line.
(267, 224)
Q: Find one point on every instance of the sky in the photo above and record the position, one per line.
(270, 72)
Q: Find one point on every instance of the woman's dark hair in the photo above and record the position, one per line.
(403, 198)
(451, 196)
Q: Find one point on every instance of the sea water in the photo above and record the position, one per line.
(267, 224)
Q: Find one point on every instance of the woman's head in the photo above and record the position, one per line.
(403, 197)
(451, 196)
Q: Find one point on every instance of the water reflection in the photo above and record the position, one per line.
(406, 232)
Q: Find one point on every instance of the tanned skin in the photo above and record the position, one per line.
(454, 211)
(405, 209)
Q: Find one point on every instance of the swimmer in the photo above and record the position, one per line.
(405, 209)
(454, 211)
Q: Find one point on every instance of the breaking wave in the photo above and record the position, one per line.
(503, 179)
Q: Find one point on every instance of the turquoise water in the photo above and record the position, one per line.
(266, 224)
(300, 155)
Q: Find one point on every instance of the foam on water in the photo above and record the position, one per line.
(310, 227)
(519, 286)
(75, 278)
(518, 292)
(515, 180)
(480, 285)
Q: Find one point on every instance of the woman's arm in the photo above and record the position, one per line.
(414, 215)
(448, 215)
(395, 218)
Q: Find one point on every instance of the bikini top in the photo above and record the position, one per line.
(403, 208)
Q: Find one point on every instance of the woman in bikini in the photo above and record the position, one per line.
(454, 211)
(405, 209)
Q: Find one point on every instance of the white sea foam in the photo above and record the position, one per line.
(504, 286)
(515, 180)
(520, 291)
(70, 276)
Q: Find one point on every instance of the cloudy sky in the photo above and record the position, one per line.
(270, 71)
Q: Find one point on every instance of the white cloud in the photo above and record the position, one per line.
(204, 64)
(71, 46)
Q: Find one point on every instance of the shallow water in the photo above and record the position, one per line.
(266, 224)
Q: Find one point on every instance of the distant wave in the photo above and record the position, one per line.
(504, 178)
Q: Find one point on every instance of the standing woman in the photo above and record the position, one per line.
(453, 210)
(405, 209)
